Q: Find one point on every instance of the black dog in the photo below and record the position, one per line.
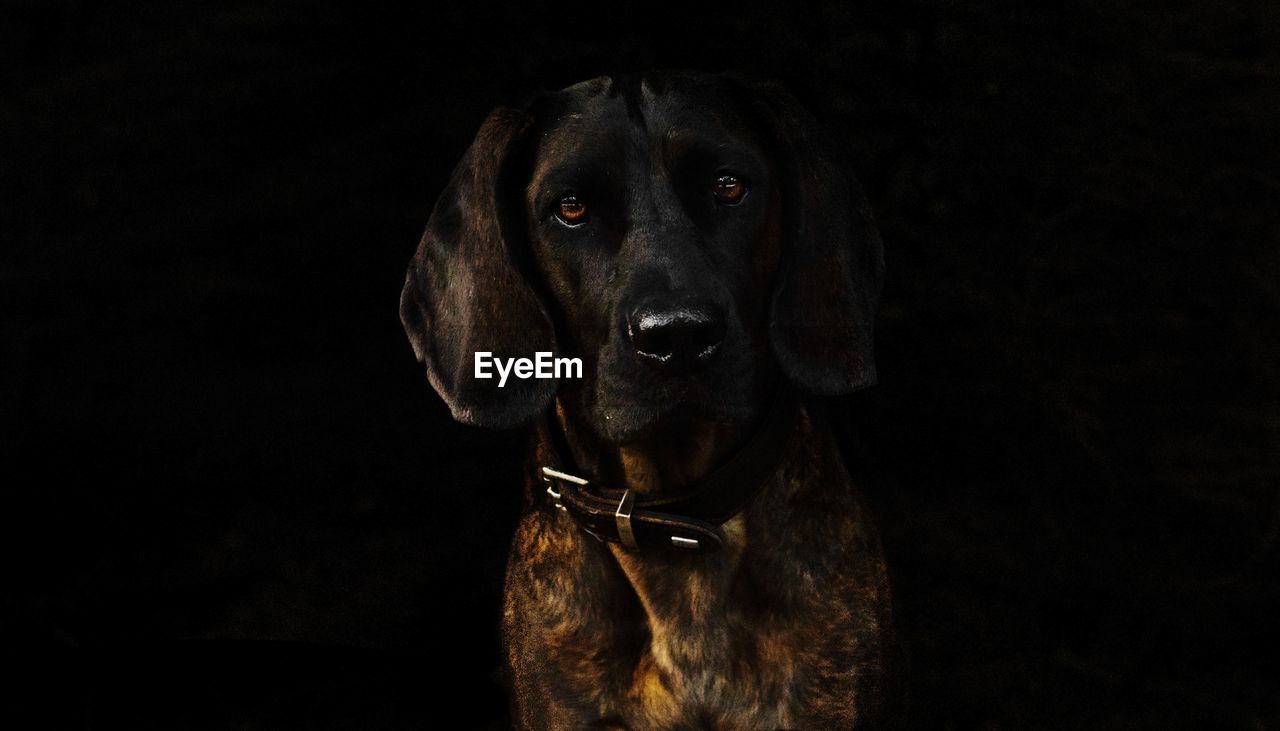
(691, 239)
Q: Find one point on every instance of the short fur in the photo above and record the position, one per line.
(786, 626)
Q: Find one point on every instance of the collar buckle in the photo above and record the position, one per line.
(549, 476)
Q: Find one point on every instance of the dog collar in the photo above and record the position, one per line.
(691, 520)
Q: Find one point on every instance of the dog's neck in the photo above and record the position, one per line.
(665, 463)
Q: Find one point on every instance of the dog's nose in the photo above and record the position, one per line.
(676, 339)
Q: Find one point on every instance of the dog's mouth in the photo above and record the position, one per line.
(628, 398)
(681, 415)
(676, 407)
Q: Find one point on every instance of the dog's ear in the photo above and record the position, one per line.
(463, 292)
(828, 285)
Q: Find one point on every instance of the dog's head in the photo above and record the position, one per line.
(687, 236)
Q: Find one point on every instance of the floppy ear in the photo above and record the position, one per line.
(463, 292)
(832, 267)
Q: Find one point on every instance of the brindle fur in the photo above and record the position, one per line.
(787, 625)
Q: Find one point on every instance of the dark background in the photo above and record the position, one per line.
(215, 432)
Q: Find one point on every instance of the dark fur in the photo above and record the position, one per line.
(786, 626)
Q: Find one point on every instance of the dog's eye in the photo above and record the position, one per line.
(572, 210)
(729, 188)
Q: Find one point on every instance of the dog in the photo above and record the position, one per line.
(692, 552)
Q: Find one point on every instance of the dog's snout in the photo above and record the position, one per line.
(676, 339)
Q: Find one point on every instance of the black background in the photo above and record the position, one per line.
(215, 431)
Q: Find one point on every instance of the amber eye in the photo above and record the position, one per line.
(729, 188)
(572, 210)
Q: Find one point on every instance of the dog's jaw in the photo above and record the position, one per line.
(666, 459)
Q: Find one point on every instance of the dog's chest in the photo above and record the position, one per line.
(779, 629)
(709, 678)
(709, 662)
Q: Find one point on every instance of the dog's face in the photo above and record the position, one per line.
(653, 222)
(683, 234)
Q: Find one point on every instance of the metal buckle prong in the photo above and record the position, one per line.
(547, 472)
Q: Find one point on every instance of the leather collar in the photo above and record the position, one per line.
(691, 520)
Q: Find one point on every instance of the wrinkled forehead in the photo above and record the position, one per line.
(606, 116)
